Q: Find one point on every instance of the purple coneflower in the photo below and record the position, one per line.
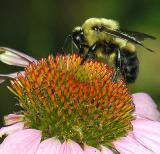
(68, 108)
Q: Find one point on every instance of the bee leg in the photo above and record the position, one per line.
(117, 72)
(91, 51)
(63, 48)
(88, 55)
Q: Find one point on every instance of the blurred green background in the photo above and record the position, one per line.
(39, 27)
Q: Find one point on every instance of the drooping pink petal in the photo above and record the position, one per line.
(49, 146)
(91, 150)
(145, 107)
(105, 150)
(13, 57)
(128, 145)
(12, 118)
(147, 132)
(11, 129)
(4, 77)
(22, 142)
(70, 147)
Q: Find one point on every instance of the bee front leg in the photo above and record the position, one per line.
(91, 51)
(90, 54)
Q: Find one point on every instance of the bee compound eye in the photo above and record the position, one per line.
(78, 38)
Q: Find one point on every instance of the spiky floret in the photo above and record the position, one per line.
(72, 101)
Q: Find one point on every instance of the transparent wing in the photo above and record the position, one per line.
(137, 35)
(131, 36)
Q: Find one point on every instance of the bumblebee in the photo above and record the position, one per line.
(103, 39)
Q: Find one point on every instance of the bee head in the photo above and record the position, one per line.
(79, 39)
(77, 36)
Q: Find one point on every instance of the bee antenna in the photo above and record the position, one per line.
(65, 42)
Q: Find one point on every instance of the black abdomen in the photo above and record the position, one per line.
(130, 65)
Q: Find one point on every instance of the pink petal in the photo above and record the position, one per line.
(147, 132)
(49, 146)
(12, 118)
(105, 150)
(70, 147)
(4, 77)
(128, 145)
(91, 150)
(11, 129)
(23, 142)
(145, 107)
(13, 57)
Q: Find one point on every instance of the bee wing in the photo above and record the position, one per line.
(137, 35)
(131, 36)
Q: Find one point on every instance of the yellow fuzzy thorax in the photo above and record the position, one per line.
(93, 36)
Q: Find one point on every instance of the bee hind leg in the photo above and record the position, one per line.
(117, 70)
(115, 75)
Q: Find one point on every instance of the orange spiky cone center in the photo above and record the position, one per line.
(72, 101)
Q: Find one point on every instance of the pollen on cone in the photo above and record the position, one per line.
(63, 98)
